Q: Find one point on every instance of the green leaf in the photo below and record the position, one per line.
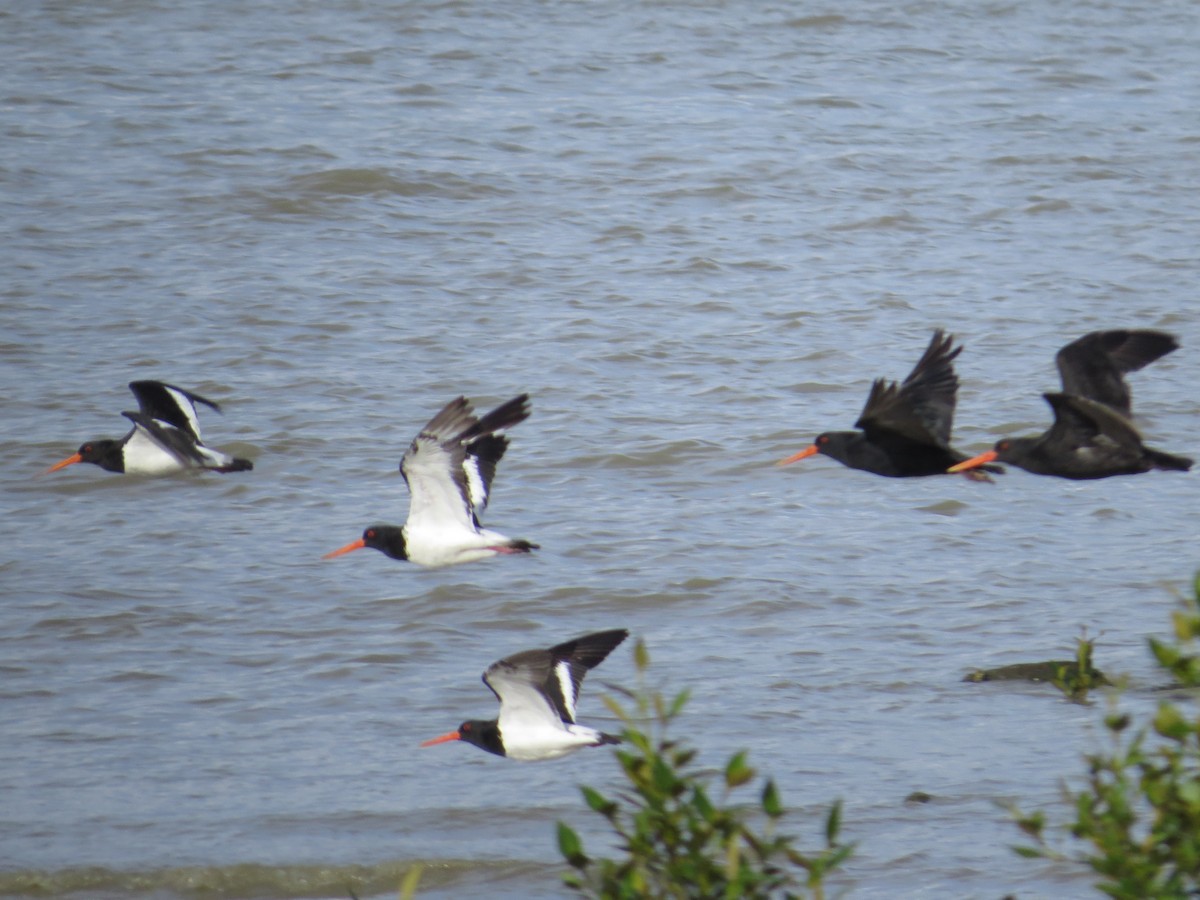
(771, 803)
(641, 656)
(615, 708)
(833, 823)
(570, 846)
(1169, 722)
(1028, 852)
(737, 772)
(598, 802)
(678, 703)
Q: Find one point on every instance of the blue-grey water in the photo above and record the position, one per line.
(694, 232)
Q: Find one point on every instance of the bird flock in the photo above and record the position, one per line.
(903, 431)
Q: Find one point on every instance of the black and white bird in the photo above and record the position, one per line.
(538, 691)
(449, 470)
(165, 437)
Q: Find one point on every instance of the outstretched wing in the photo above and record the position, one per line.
(170, 404)
(554, 675)
(450, 465)
(1094, 366)
(921, 409)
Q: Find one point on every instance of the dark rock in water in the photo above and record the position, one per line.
(1040, 671)
(918, 797)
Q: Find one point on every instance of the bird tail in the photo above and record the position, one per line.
(235, 464)
(603, 738)
(1168, 461)
(519, 545)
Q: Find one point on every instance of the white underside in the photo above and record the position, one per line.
(547, 742)
(448, 546)
(144, 456)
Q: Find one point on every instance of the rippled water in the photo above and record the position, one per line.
(694, 232)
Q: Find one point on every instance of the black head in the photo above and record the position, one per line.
(387, 539)
(98, 452)
(104, 453)
(484, 735)
(838, 445)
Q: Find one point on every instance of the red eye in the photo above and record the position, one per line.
(823, 439)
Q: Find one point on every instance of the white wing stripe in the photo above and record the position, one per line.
(186, 407)
(562, 671)
(477, 489)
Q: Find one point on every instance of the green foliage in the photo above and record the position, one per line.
(1140, 807)
(677, 841)
(1080, 677)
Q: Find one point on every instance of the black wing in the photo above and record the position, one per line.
(170, 404)
(920, 410)
(1094, 366)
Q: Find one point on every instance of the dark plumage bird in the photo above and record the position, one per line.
(449, 469)
(905, 428)
(538, 691)
(165, 437)
(1092, 435)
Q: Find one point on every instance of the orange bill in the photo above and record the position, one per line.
(803, 454)
(445, 738)
(349, 548)
(974, 462)
(69, 461)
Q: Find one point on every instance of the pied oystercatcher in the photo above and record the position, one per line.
(538, 691)
(165, 437)
(449, 469)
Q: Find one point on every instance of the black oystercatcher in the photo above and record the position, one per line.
(905, 428)
(1092, 435)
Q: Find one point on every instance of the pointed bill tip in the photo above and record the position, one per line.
(796, 457)
(69, 461)
(349, 548)
(444, 739)
(974, 462)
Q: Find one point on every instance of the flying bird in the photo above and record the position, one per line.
(165, 437)
(449, 469)
(1093, 435)
(905, 428)
(538, 691)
